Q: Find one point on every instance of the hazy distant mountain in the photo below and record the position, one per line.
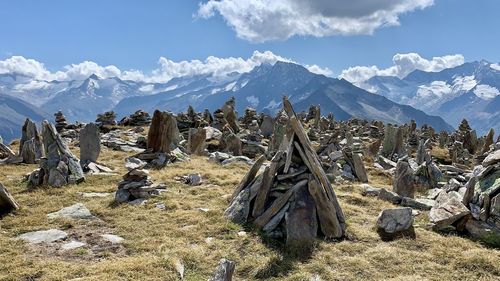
(262, 88)
(467, 91)
(13, 112)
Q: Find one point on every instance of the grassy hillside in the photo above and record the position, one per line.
(158, 241)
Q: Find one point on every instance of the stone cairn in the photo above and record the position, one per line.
(136, 184)
(292, 198)
(163, 141)
(61, 122)
(7, 202)
(59, 167)
(106, 119)
(138, 118)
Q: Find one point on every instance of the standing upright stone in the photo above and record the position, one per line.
(398, 142)
(230, 114)
(196, 141)
(30, 146)
(267, 126)
(90, 143)
(389, 141)
(404, 184)
(488, 141)
(163, 133)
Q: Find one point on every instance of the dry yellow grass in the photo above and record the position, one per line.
(156, 240)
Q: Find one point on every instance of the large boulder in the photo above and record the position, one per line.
(394, 223)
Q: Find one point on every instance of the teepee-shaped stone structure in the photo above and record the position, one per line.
(292, 198)
(7, 202)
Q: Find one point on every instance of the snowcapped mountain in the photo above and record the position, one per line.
(261, 88)
(469, 91)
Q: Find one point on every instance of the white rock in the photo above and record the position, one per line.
(114, 239)
(43, 236)
(72, 245)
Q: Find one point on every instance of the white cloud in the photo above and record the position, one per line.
(167, 69)
(262, 20)
(486, 91)
(403, 64)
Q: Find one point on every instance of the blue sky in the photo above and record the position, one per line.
(134, 34)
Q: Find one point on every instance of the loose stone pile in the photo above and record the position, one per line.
(292, 198)
(136, 185)
(138, 118)
(106, 118)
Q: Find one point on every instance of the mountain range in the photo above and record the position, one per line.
(469, 91)
(262, 88)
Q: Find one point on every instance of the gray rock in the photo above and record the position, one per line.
(76, 211)
(239, 209)
(194, 179)
(403, 180)
(492, 158)
(419, 203)
(43, 236)
(368, 190)
(243, 159)
(132, 163)
(393, 223)
(389, 196)
(90, 143)
(447, 210)
(224, 271)
(122, 195)
(484, 232)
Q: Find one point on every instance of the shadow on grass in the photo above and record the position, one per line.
(287, 256)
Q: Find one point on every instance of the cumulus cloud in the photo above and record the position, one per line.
(403, 64)
(262, 20)
(167, 69)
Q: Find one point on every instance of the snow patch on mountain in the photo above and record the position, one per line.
(495, 66)
(253, 101)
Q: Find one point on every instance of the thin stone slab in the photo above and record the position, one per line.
(43, 236)
(90, 143)
(76, 211)
(301, 222)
